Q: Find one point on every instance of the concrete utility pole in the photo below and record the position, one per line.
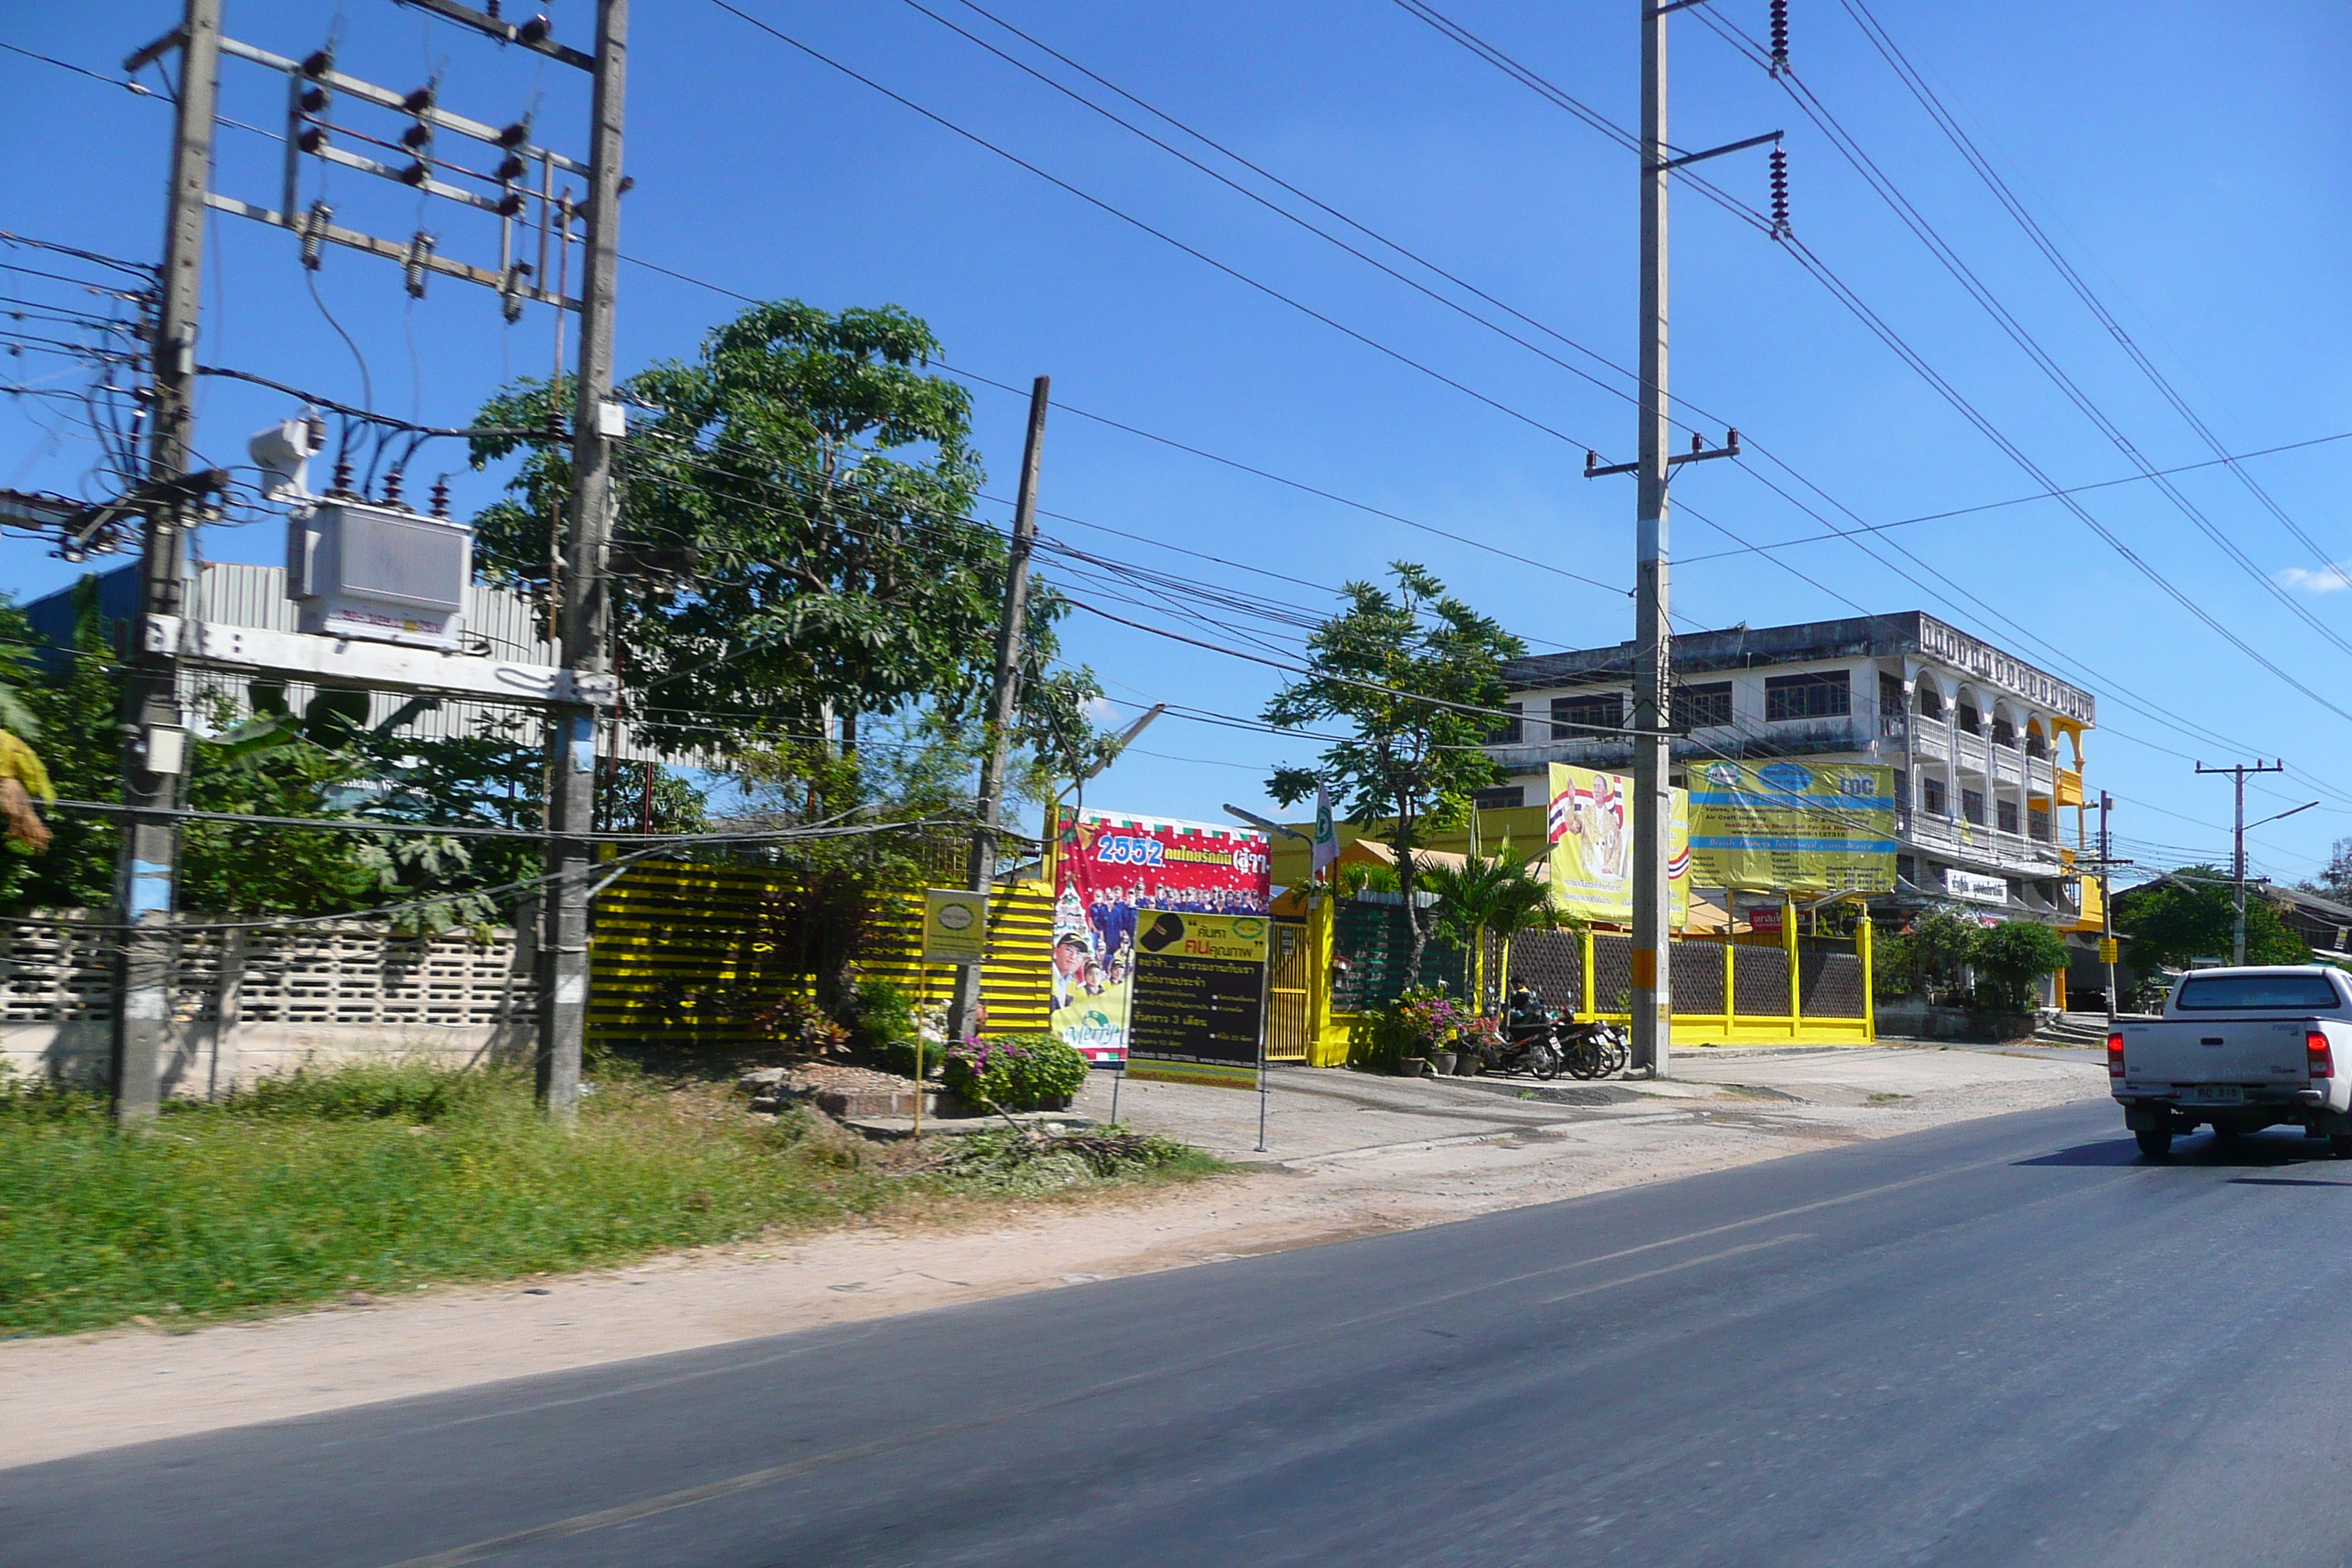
(1652, 988)
(585, 622)
(2238, 854)
(154, 738)
(963, 1014)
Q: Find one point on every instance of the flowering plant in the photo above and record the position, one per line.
(1013, 1072)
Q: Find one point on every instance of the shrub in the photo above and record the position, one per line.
(884, 1017)
(2009, 958)
(899, 1057)
(1019, 1072)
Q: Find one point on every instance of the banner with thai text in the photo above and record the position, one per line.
(1793, 828)
(1111, 872)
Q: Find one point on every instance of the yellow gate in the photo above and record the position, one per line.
(1286, 983)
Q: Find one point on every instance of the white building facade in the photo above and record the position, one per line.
(1987, 750)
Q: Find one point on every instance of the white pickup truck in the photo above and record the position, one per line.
(2240, 1050)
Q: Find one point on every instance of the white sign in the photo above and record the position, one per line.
(1975, 889)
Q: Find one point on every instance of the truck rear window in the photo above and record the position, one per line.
(2228, 993)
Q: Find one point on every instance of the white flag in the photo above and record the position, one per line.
(1327, 836)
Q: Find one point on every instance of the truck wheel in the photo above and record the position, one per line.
(2156, 1143)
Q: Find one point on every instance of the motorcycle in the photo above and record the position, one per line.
(1529, 1040)
(1595, 1050)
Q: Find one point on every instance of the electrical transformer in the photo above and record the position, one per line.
(360, 569)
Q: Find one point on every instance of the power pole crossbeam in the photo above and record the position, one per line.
(151, 759)
(963, 1015)
(1653, 988)
(586, 619)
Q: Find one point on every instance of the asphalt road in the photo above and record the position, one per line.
(1998, 1343)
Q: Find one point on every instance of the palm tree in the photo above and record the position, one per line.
(1493, 895)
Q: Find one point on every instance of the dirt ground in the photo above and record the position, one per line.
(1347, 1155)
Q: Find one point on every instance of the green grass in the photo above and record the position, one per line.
(386, 1179)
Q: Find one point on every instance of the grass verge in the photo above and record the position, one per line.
(386, 1179)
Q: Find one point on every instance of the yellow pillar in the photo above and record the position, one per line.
(1584, 972)
(1789, 946)
(1320, 912)
(1730, 984)
(1861, 947)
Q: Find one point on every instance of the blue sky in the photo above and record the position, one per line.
(2190, 160)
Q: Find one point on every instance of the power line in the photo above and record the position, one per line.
(1914, 79)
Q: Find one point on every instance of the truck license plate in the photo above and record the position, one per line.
(2216, 1094)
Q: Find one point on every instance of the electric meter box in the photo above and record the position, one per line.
(382, 573)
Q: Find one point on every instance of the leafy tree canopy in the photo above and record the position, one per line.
(1408, 669)
(2190, 914)
(795, 542)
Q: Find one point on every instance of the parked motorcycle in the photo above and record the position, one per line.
(1530, 1038)
(1595, 1050)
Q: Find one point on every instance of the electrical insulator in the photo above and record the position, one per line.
(419, 247)
(1779, 35)
(536, 30)
(314, 234)
(315, 101)
(1780, 194)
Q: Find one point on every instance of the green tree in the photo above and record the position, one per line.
(1410, 671)
(2011, 957)
(796, 553)
(2190, 913)
(1935, 952)
(75, 698)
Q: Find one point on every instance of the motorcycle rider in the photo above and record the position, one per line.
(1524, 1015)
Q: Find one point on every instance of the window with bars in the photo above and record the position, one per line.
(1930, 701)
(1510, 733)
(1826, 694)
(2004, 733)
(1574, 718)
(1502, 797)
(1972, 806)
(2036, 746)
(2005, 815)
(1891, 693)
(1932, 796)
(1704, 707)
(1968, 719)
(2037, 825)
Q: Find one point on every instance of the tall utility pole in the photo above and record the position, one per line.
(963, 1014)
(1653, 988)
(153, 736)
(2238, 853)
(585, 621)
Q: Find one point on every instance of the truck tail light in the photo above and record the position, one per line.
(2115, 1054)
(2323, 1057)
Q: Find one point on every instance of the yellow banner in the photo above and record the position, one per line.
(1592, 827)
(1793, 828)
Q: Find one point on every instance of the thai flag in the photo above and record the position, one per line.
(1563, 810)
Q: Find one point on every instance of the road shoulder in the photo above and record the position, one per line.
(1350, 1156)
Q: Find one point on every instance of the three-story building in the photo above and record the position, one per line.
(1987, 750)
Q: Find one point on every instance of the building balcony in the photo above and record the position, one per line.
(2012, 854)
(2041, 778)
(1931, 738)
(1969, 753)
